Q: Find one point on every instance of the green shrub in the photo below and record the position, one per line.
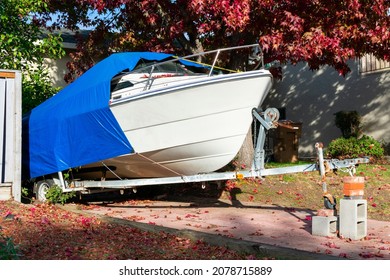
(386, 147)
(8, 250)
(349, 123)
(56, 195)
(355, 147)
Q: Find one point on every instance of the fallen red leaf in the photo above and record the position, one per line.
(7, 213)
(331, 245)
(343, 255)
(190, 216)
(45, 220)
(366, 255)
(257, 233)
(86, 222)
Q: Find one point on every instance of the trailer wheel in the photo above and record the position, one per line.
(42, 188)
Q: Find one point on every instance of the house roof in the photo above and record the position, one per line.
(68, 36)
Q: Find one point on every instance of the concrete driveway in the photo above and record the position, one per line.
(267, 227)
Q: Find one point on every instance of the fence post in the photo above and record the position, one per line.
(10, 134)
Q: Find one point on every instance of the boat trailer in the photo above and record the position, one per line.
(268, 119)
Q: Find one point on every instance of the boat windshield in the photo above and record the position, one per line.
(171, 68)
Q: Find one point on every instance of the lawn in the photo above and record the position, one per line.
(304, 190)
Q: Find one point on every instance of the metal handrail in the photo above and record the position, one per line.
(217, 51)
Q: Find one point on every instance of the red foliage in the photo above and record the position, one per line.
(320, 32)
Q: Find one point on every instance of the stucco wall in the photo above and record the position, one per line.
(313, 97)
(57, 70)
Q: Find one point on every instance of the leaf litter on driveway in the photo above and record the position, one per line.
(271, 225)
(48, 232)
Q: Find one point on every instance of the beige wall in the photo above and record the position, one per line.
(313, 97)
(57, 70)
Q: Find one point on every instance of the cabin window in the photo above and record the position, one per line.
(120, 85)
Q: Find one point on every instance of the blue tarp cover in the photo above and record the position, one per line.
(76, 126)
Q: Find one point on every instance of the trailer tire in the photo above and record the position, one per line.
(42, 188)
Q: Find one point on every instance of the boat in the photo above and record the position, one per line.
(146, 115)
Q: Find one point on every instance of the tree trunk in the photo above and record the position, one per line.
(246, 153)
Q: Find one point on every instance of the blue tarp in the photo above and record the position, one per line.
(76, 126)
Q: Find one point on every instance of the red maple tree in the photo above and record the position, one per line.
(320, 32)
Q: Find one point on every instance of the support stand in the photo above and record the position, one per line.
(353, 218)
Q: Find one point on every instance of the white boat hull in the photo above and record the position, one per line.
(188, 128)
